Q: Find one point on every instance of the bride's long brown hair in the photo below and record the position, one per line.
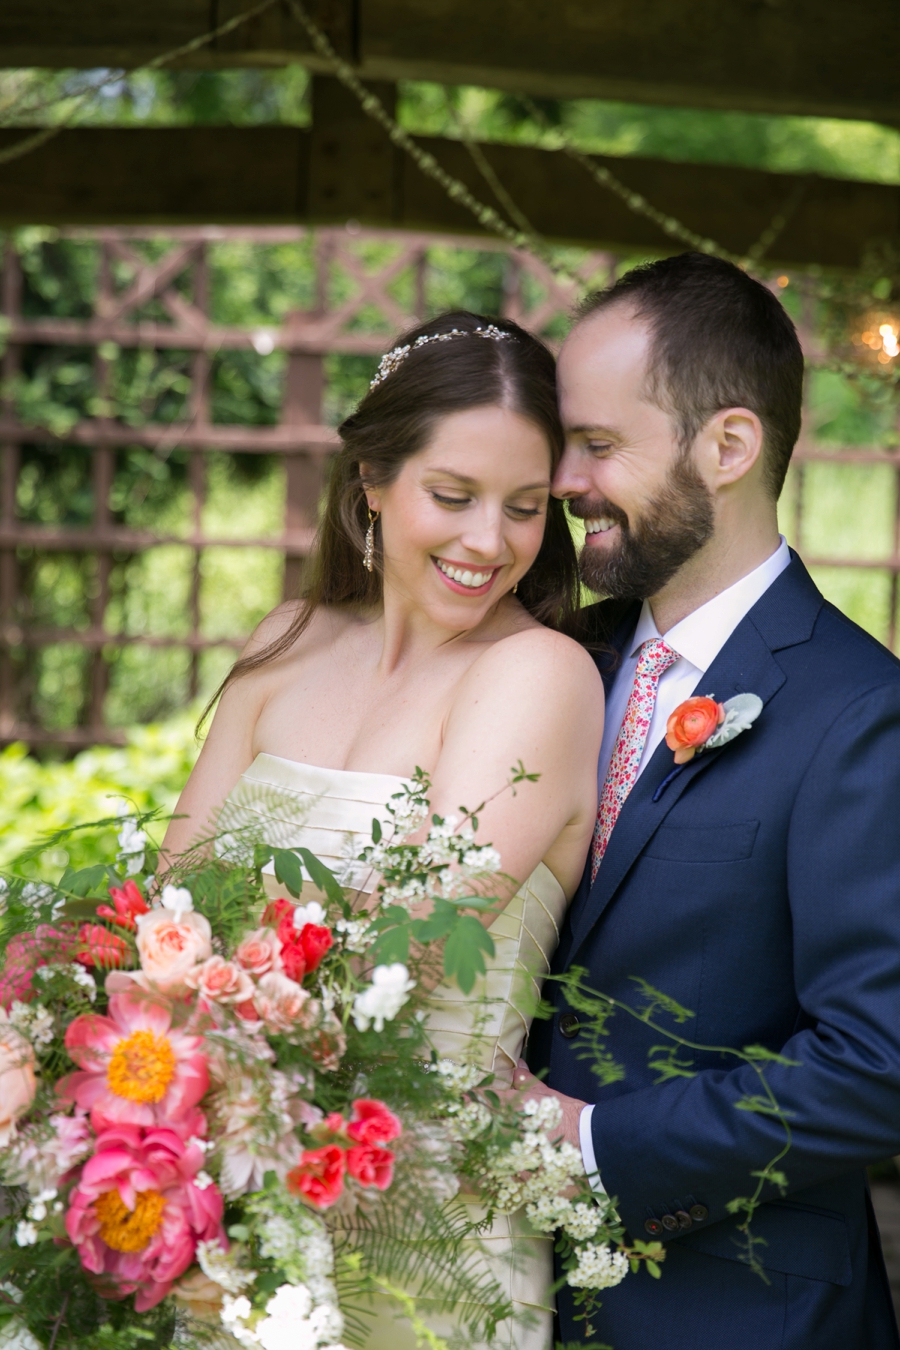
(393, 422)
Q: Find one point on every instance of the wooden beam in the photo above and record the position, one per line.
(816, 57)
(262, 175)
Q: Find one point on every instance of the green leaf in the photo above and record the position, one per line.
(322, 876)
(654, 1269)
(376, 830)
(79, 883)
(288, 870)
(391, 945)
(438, 923)
(465, 950)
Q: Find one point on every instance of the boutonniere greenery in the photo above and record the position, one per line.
(701, 723)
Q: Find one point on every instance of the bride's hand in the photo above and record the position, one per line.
(526, 1087)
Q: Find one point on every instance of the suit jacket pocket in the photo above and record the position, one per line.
(798, 1240)
(703, 843)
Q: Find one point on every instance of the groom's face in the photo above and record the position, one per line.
(646, 508)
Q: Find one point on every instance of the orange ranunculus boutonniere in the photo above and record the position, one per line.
(691, 725)
(700, 723)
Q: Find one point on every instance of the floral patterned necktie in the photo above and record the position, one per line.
(654, 660)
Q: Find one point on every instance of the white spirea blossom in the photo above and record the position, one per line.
(14, 1335)
(353, 932)
(26, 1233)
(469, 1121)
(598, 1268)
(311, 913)
(460, 1078)
(384, 997)
(233, 1315)
(72, 971)
(219, 1266)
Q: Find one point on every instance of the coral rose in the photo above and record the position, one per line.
(220, 981)
(129, 903)
(373, 1123)
(140, 1209)
(17, 1080)
(319, 1176)
(691, 725)
(170, 943)
(370, 1166)
(259, 952)
(280, 1002)
(133, 1067)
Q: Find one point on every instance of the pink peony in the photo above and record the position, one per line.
(170, 943)
(129, 903)
(373, 1123)
(220, 981)
(319, 1176)
(370, 1166)
(280, 1002)
(17, 1080)
(138, 1211)
(259, 952)
(134, 1069)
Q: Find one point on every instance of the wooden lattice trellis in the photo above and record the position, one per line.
(299, 437)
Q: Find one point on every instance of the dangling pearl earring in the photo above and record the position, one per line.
(369, 554)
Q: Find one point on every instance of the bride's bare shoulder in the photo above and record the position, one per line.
(538, 660)
(287, 627)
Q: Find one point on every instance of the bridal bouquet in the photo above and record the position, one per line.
(221, 1118)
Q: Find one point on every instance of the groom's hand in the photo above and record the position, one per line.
(526, 1086)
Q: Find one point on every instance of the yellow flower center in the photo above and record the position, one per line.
(129, 1230)
(141, 1067)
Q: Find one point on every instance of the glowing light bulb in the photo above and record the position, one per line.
(889, 340)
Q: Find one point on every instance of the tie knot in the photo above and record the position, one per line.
(655, 658)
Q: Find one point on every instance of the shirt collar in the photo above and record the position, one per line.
(700, 636)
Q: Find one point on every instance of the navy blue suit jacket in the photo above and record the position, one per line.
(761, 891)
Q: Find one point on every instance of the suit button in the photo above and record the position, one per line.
(653, 1227)
(669, 1222)
(569, 1025)
(684, 1219)
(698, 1213)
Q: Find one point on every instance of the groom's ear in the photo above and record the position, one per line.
(732, 446)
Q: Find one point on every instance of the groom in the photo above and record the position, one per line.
(760, 885)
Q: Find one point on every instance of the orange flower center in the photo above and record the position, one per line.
(141, 1067)
(129, 1230)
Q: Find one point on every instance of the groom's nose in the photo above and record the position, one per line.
(573, 477)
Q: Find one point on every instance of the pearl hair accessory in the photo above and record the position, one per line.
(391, 360)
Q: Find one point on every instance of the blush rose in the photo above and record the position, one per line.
(220, 981)
(259, 952)
(17, 1079)
(169, 945)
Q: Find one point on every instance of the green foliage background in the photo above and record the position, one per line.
(848, 508)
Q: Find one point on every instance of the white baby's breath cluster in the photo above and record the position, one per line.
(222, 1268)
(599, 1267)
(354, 934)
(69, 970)
(33, 1020)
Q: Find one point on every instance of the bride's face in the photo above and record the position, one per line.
(464, 518)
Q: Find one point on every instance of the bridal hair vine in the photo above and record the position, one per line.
(392, 359)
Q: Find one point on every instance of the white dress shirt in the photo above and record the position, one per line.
(697, 639)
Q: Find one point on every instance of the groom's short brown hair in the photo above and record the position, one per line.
(720, 339)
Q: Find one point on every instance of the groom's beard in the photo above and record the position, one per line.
(655, 545)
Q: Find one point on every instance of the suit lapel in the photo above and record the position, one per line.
(744, 665)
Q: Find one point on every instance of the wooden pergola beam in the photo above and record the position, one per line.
(345, 170)
(815, 57)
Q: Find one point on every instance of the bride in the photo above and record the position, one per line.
(431, 635)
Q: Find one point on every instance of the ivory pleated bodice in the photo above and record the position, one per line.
(330, 812)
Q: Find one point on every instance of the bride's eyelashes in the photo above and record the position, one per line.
(520, 512)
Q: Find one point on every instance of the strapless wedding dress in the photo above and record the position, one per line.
(330, 812)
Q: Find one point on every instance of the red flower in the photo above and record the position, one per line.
(301, 953)
(129, 904)
(372, 1123)
(101, 948)
(275, 911)
(319, 1176)
(691, 725)
(371, 1166)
